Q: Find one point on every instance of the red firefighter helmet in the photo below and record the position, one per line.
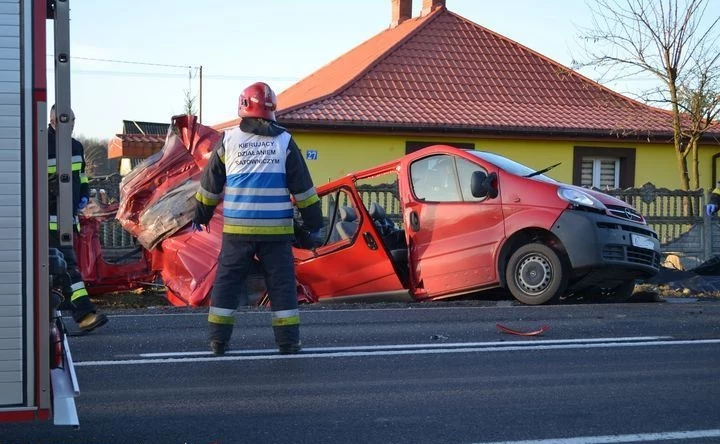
(257, 100)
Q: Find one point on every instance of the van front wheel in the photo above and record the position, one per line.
(535, 274)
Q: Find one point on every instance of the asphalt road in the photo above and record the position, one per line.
(422, 373)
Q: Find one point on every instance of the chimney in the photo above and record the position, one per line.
(401, 11)
(429, 6)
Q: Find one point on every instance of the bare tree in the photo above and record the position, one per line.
(96, 157)
(190, 108)
(699, 100)
(673, 41)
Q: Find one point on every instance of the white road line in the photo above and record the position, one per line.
(426, 351)
(419, 346)
(639, 437)
(203, 311)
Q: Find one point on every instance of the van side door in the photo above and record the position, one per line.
(452, 236)
(352, 262)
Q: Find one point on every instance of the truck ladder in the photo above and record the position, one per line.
(63, 150)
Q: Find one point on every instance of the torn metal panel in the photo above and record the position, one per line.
(157, 200)
(157, 197)
(101, 274)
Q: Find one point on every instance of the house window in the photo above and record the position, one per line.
(600, 173)
(604, 167)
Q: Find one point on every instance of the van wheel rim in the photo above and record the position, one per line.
(534, 274)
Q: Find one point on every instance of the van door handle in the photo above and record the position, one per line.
(370, 240)
(414, 222)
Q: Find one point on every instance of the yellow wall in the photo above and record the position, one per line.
(338, 155)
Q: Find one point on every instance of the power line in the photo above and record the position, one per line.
(193, 74)
(130, 62)
(229, 77)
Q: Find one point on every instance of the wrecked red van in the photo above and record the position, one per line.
(434, 224)
(443, 222)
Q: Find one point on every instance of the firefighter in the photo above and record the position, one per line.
(714, 201)
(83, 311)
(259, 166)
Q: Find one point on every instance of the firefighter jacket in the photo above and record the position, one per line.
(713, 204)
(80, 185)
(260, 167)
(715, 196)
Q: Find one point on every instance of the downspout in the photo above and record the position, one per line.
(714, 170)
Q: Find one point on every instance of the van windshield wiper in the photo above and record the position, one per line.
(542, 171)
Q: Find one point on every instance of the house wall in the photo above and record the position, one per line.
(338, 155)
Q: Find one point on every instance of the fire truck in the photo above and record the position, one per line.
(37, 377)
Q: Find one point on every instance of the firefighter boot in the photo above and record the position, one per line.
(290, 349)
(218, 347)
(91, 321)
(287, 338)
(220, 338)
(85, 314)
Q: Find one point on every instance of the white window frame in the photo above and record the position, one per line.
(597, 167)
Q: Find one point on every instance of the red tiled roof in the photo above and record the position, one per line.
(442, 72)
(135, 145)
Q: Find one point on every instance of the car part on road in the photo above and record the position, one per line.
(537, 332)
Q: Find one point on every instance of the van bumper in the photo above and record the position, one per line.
(626, 250)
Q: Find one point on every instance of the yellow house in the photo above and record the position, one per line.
(440, 78)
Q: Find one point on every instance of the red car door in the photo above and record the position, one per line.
(353, 262)
(452, 236)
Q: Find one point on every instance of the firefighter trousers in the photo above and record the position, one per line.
(75, 291)
(234, 264)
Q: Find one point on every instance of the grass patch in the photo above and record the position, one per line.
(140, 298)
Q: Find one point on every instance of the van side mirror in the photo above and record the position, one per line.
(483, 185)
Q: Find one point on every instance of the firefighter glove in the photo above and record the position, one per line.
(711, 209)
(316, 237)
(82, 204)
(199, 227)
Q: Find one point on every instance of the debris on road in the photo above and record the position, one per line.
(537, 332)
(703, 279)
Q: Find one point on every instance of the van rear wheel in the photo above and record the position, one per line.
(535, 274)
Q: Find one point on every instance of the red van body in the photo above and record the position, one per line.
(464, 221)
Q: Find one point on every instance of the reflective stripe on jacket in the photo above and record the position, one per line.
(54, 222)
(80, 185)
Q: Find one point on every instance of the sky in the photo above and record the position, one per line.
(137, 60)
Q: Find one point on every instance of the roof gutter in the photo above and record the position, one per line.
(489, 131)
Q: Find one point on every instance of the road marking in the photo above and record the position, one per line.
(639, 437)
(417, 346)
(271, 354)
(203, 311)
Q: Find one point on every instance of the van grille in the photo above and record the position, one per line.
(644, 230)
(631, 254)
(627, 213)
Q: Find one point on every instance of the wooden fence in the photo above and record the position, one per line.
(671, 213)
(677, 216)
(112, 235)
(679, 219)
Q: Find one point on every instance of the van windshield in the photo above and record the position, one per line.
(510, 166)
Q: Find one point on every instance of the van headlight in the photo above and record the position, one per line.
(577, 197)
